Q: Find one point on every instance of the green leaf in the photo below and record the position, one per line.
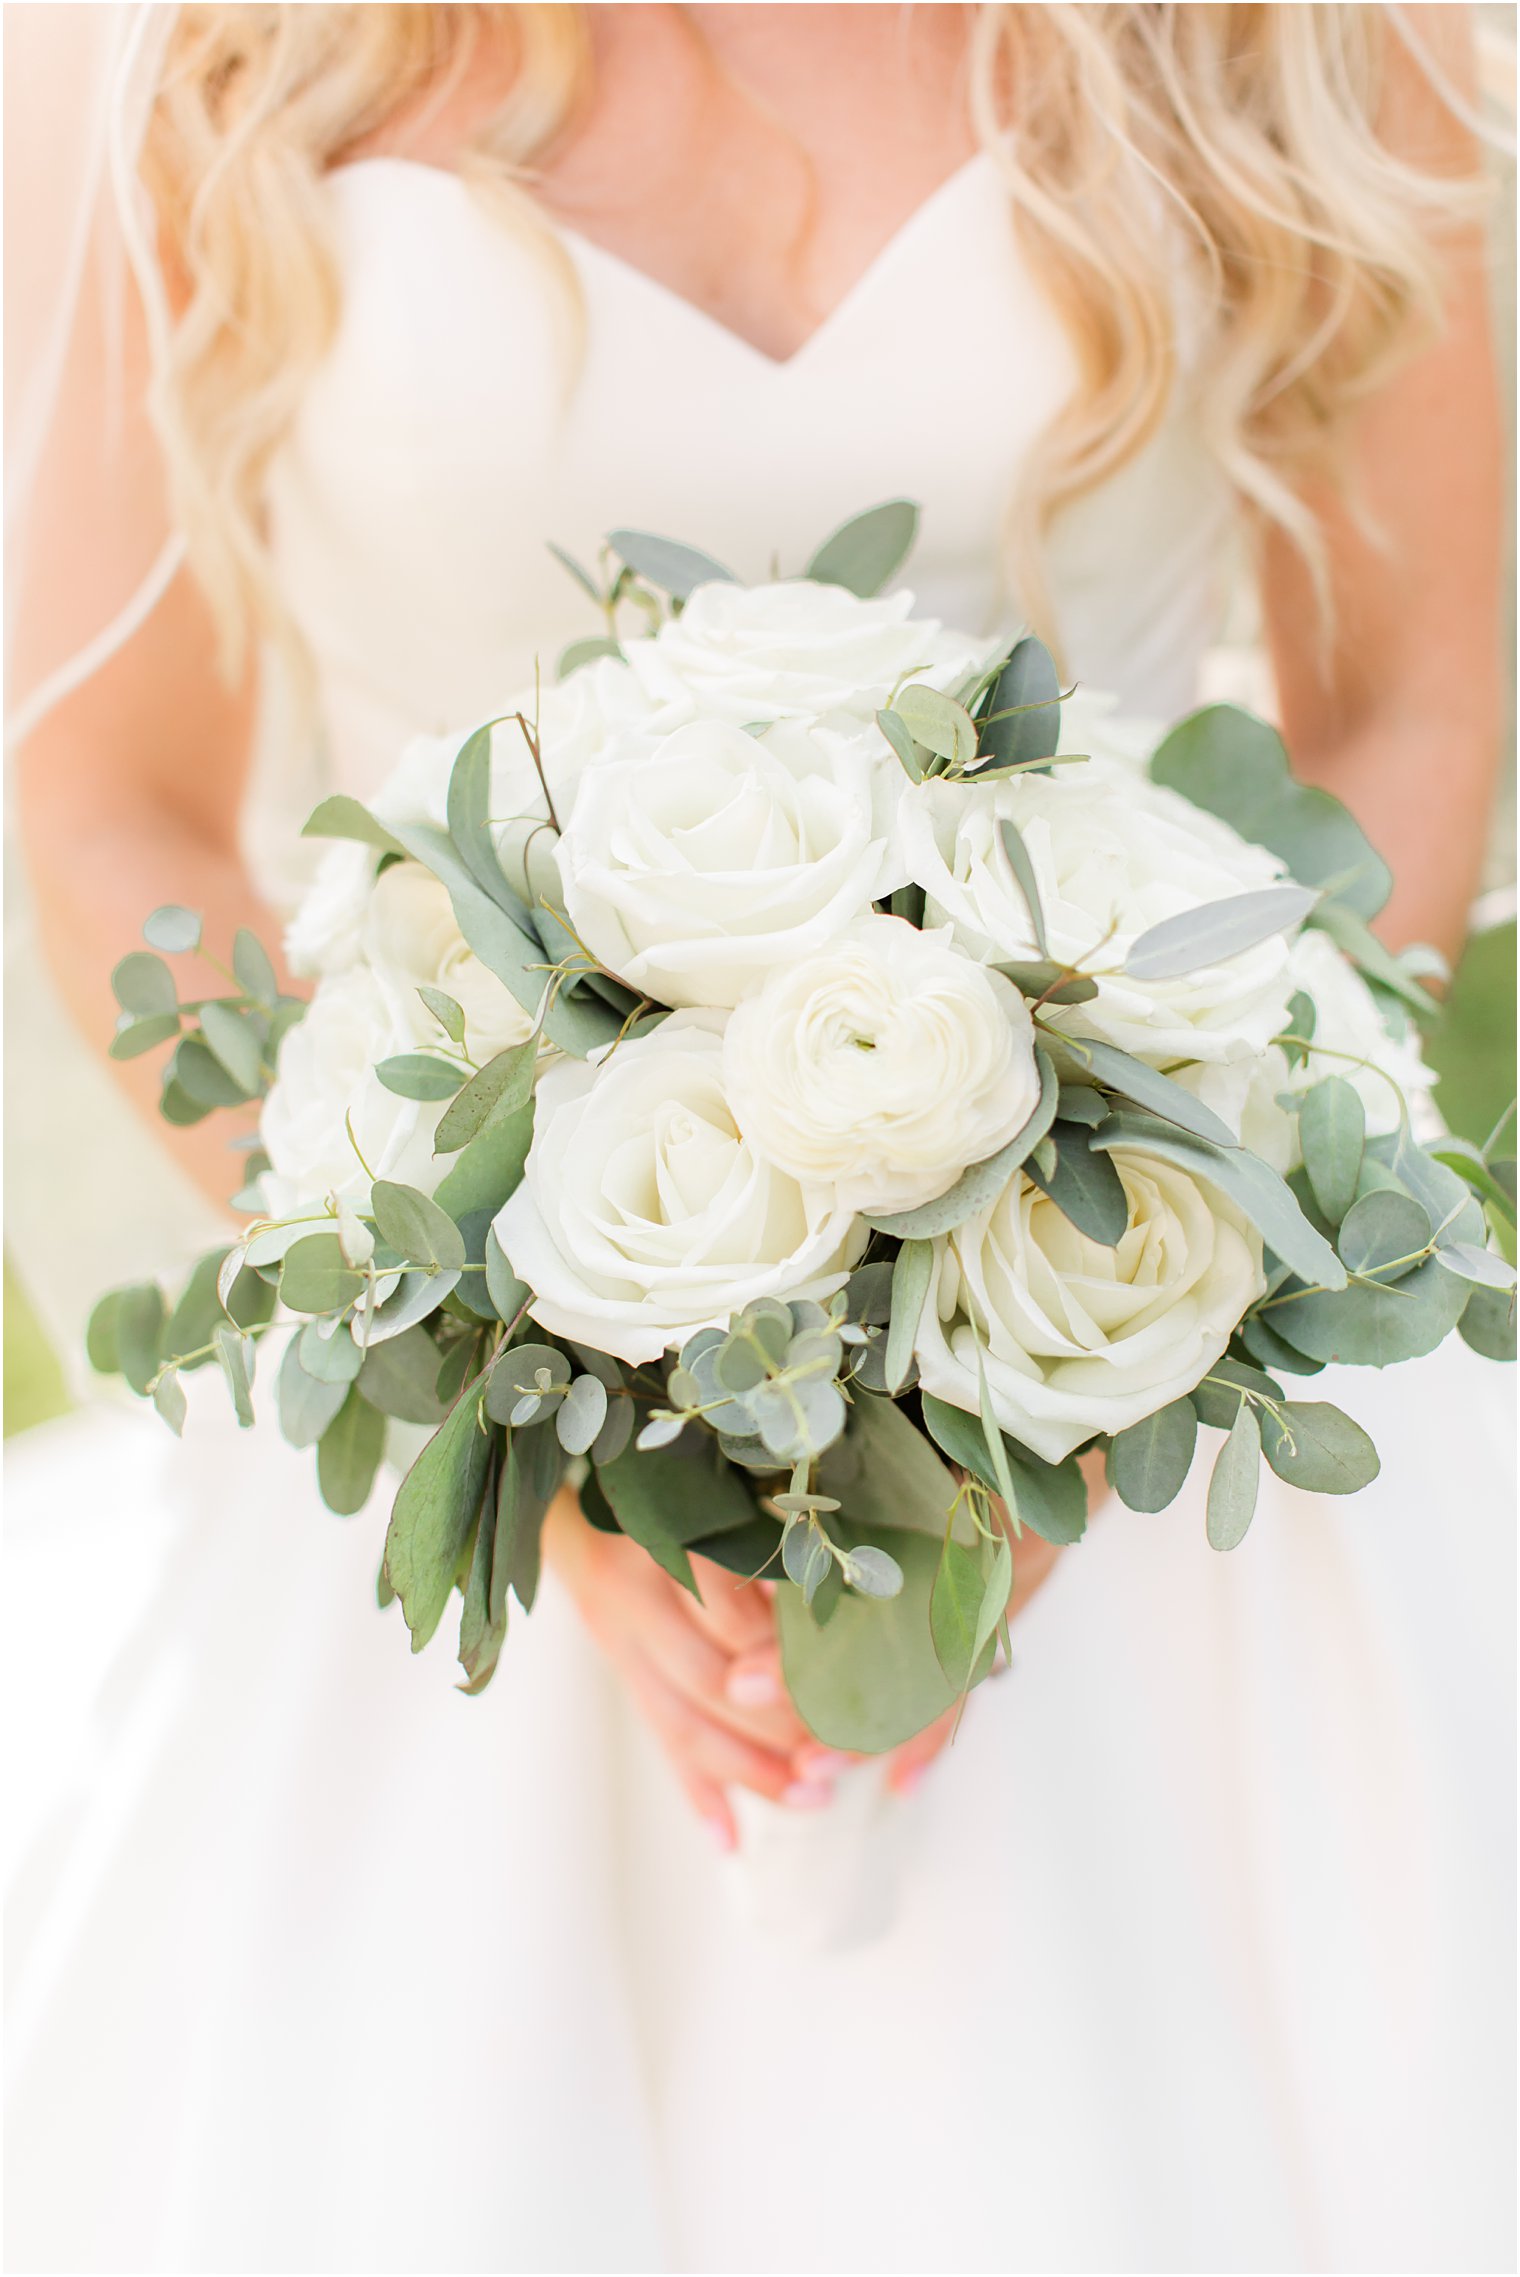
(1043, 981)
(420, 1075)
(250, 961)
(579, 652)
(936, 721)
(501, 1087)
(1368, 954)
(307, 1404)
(979, 1187)
(530, 1479)
(910, 1285)
(134, 1037)
(400, 1378)
(1026, 692)
(100, 1342)
(447, 1011)
(885, 1474)
(669, 567)
(1263, 1343)
(480, 1637)
(514, 1379)
(139, 1333)
(1245, 1180)
(994, 1599)
(870, 1571)
(237, 1354)
(1234, 765)
(1488, 1324)
(1051, 1497)
(434, 1511)
(343, 817)
(469, 812)
(201, 1076)
(1383, 1230)
(177, 1107)
(174, 930)
(1318, 1449)
(1085, 1186)
(583, 579)
(865, 553)
(169, 1399)
(895, 730)
(670, 1496)
(1332, 1124)
(334, 1359)
(1484, 1267)
(955, 1605)
(582, 1412)
(315, 1277)
(1233, 1485)
(1149, 1089)
(1216, 1400)
(416, 1228)
(1372, 1325)
(143, 985)
(1012, 839)
(1215, 931)
(236, 1043)
(489, 1170)
(1149, 1463)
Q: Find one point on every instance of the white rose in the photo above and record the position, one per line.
(644, 1214)
(1076, 1338)
(796, 650)
(1112, 855)
(326, 934)
(1347, 1019)
(1091, 721)
(325, 1079)
(690, 870)
(1244, 1094)
(412, 940)
(883, 1064)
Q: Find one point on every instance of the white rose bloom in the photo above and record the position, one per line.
(644, 1215)
(1091, 721)
(1244, 1094)
(746, 653)
(1112, 855)
(412, 940)
(690, 870)
(326, 934)
(1347, 1019)
(883, 1064)
(1076, 1338)
(325, 1074)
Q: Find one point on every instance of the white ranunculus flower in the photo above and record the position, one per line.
(325, 1075)
(690, 870)
(326, 934)
(1347, 1019)
(644, 1214)
(1076, 1338)
(1112, 855)
(795, 650)
(412, 940)
(883, 1063)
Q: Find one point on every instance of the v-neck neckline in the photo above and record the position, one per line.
(587, 252)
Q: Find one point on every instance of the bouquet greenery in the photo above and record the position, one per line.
(808, 1077)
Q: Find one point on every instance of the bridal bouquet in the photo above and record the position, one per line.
(808, 1079)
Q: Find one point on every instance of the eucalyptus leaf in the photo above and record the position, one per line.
(1484, 1267)
(1051, 1497)
(480, 1636)
(1384, 1231)
(581, 1414)
(1245, 1180)
(447, 1011)
(237, 1354)
(420, 1075)
(583, 578)
(143, 985)
(133, 1037)
(530, 1476)
(1317, 1448)
(1375, 1325)
(399, 1376)
(579, 652)
(1148, 1464)
(250, 961)
(1012, 841)
(417, 1295)
(433, 1513)
(415, 1227)
(174, 930)
(169, 1399)
(507, 1293)
(314, 1276)
(306, 1404)
(1026, 693)
(867, 551)
(937, 722)
(885, 1474)
(955, 1605)
(500, 1087)
(334, 1359)
(1044, 983)
(139, 1326)
(1487, 1324)
(468, 808)
(895, 729)
(1215, 931)
(489, 1170)
(1084, 1185)
(1372, 959)
(201, 1075)
(1332, 1125)
(100, 1340)
(669, 567)
(1234, 1482)
(235, 1042)
(1217, 1398)
(872, 1572)
(343, 817)
(1149, 1089)
(911, 1275)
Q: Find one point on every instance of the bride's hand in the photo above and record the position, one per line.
(705, 1676)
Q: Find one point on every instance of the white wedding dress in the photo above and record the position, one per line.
(1196, 1951)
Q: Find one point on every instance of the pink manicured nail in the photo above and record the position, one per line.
(807, 1795)
(908, 1782)
(721, 1832)
(753, 1688)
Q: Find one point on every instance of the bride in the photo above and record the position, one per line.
(1194, 1951)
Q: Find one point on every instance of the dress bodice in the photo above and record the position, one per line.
(454, 429)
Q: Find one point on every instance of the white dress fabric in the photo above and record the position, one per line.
(1195, 1953)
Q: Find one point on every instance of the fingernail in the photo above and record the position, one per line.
(907, 1782)
(807, 1795)
(753, 1688)
(824, 1764)
(721, 1832)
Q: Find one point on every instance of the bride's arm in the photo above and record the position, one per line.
(1403, 719)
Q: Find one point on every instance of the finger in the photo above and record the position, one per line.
(704, 1749)
(909, 1762)
(711, 1805)
(732, 1610)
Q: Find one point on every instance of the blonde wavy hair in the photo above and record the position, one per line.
(1247, 134)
